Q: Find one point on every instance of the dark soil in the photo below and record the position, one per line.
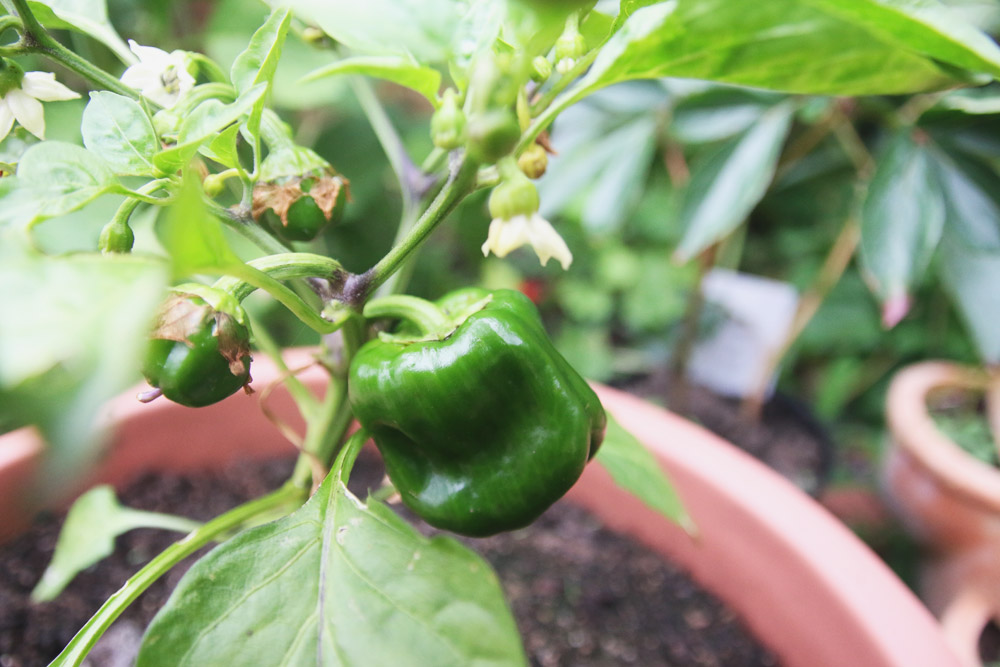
(787, 437)
(582, 595)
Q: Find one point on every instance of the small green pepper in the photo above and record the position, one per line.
(198, 355)
(299, 209)
(480, 421)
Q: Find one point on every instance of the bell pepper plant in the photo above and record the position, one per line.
(133, 246)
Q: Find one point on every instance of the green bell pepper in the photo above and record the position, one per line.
(481, 423)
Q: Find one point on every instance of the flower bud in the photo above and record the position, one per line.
(541, 69)
(570, 46)
(116, 237)
(448, 123)
(11, 76)
(492, 135)
(533, 161)
(515, 196)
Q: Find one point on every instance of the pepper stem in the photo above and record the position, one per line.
(428, 317)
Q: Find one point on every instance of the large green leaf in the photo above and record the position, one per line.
(398, 69)
(971, 275)
(730, 181)
(901, 219)
(635, 469)
(422, 29)
(804, 46)
(53, 178)
(339, 582)
(87, 16)
(117, 129)
(88, 536)
(972, 195)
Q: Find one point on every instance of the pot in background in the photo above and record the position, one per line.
(948, 500)
(804, 584)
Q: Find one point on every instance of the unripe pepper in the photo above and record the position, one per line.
(481, 423)
(198, 354)
(299, 208)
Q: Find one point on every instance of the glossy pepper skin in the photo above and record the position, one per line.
(483, 430)
(200, 356)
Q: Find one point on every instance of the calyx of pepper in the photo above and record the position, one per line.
(279, 197)
(182, 315)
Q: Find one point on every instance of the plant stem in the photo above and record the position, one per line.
(245, 226)
(689, 333)
(161, 521)
(282, 266)
(78, 648)
(428, 317)
(833, 268)
(461, 182)
(260, 280)
(36, 40)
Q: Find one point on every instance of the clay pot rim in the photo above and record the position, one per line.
(915, 432)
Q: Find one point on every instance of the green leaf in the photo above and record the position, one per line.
(421, 29)
(223, 148)
(802, 46)
(398, 69)
(339, 582)
(971, 276)
(72, 331)
(972, 197)
(902, 217)
(258, 63)
(54, 178)
(88, 536)
(207, 119)
(635, 469)
(87, 16)
(117, 129)
(731, 181)
(191, 235)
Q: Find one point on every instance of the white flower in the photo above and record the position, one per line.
(160, 76)
(24, 104)
(534, 230)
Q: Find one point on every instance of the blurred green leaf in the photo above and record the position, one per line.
(117, 129)
(398, 69)
(72, 331)
(802, 46)
(635, 469)
(191, 235)
(902, 217)
(659, 297)
(421, 29)
(87, 16)
(410, 601)
(725, 187)
(584, 302)
(972, 275)
(716, 113)
(88, 536)
(971, 191)
(588, 350)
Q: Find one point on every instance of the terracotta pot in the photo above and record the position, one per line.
(807, 588)
(949, 500)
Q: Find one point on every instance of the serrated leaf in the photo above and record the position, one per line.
(117, 129)
(191, 235)
(88, 536)
(731, 181)
(57, 178)
(398, 69)
(339, 582)
(207, 119)
(971, 276)
(801, 46)
(635, 469)
(89, 17)
(901, 218)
